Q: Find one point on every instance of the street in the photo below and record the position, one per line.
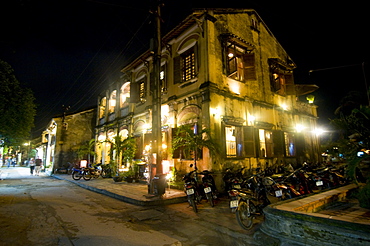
(46, 211)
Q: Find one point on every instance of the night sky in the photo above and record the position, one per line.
(69, 51)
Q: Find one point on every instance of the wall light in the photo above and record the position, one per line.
(299, 127)
(284, 106)
(214, 111)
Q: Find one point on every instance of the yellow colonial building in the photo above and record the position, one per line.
(223, 70)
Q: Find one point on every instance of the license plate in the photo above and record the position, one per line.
(234, 204)
(207, 190)
(278, 193)
(319, 183)
(236, 186)
(190, 192)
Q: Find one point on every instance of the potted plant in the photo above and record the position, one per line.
(129, 175)
(120, 177)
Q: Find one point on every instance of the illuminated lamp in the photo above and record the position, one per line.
(299, 128)
(83, 163)
(310, 98)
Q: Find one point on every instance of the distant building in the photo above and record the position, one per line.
(64, 136)
(223, 70)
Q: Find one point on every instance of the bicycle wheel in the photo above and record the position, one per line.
(244, 215)
(76, 175)
(87, 175)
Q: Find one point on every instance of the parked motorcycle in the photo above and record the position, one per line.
(77, 173)
(106, 171)
(248, 207)
(209, 187)
(277, 189)
(92, 172)
(191, 189)
(252, 201)
(232, 183)
(65, 169)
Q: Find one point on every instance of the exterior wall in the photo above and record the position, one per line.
(213, 100)
(65, 135)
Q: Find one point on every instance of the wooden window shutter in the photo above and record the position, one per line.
(279, 145)
(249, 67)
(197, 57)
(289, 84)
(249, 142)
(177, 70)
(134, 92)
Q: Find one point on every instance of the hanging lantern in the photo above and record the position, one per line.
(310, 98)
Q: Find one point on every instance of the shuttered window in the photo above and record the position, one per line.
(240, 63)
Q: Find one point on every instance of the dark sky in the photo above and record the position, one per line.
(68, 51)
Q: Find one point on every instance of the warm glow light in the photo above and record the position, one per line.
(166, 166)
(112, 102)
(284, 106)
(299, 127)
(169, 176)
(310, 98)
(83, 163)
(318, 131)
(101, 138)
(214, 111)
(146, 126)
(235, 87)
(230, 55)
(164, 146)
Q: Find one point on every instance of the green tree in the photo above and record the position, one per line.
(355, 128)
(87, 149)
(189, 142)
(17, 107)
(127, 147)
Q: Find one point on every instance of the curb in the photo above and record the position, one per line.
(160, 201)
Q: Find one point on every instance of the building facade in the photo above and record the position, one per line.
(64, 136)
(223, 70)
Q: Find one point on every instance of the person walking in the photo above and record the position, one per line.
(38, 166)
(32, 165)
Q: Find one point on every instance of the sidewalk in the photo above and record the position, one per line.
(134, 193)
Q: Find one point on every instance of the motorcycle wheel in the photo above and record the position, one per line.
(87, 175)
(244, 215)
(76, 175)
(106, 173)
(194, 205)
(210, 199)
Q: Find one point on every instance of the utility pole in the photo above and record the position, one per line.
(160, 181)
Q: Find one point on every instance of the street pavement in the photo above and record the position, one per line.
(219, 217)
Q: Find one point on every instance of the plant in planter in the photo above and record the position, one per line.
(129, 175)
(120, 177)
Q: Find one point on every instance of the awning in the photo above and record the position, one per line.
(302, 89)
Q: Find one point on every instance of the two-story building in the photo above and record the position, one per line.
(223, 70)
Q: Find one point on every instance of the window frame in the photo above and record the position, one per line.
(239, 61)
(244, 141)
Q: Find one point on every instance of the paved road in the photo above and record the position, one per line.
(41, 210)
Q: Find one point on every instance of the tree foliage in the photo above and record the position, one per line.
(17, 107)
(188, 141)
(87, 149)
(355, 129)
